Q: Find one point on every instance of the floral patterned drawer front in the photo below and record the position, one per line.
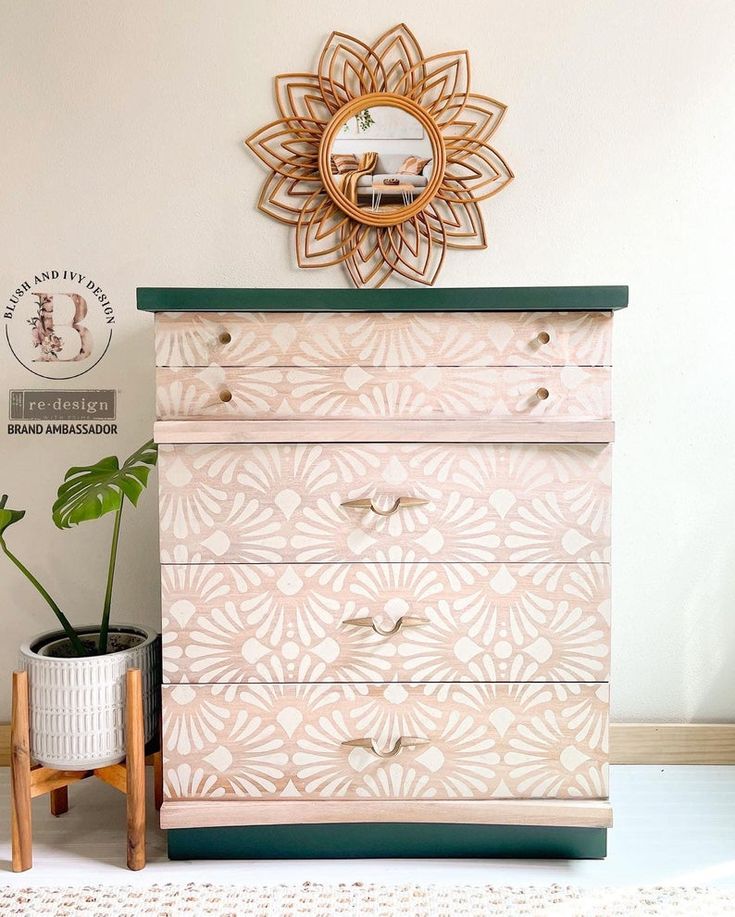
(271, 623)
(389, 339)
(449, 741)
(426, 393)
(518, 503)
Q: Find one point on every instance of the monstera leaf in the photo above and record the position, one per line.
(8, 516)
(90, 492)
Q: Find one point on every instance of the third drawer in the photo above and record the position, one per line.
(312, 503)
(381, 622)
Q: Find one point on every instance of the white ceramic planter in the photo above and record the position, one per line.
(77, 705)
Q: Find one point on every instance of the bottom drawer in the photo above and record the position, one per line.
(406, 741)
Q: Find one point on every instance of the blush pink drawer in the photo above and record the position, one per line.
(384, 622)
(398, 741)
(355, 392)
(259, 339)
(517, 503)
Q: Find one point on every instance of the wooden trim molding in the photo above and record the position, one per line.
(215, 813)
(383, 431)
(630, 743)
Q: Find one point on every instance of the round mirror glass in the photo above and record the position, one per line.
(380, 159)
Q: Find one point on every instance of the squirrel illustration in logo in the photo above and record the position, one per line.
(59, 333)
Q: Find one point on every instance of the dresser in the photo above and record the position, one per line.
(385, 570)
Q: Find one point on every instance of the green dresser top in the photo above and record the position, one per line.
(441, 299)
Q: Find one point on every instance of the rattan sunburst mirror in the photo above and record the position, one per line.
(380, 158)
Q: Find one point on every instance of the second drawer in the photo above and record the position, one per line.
(382, 622)
(381, 393)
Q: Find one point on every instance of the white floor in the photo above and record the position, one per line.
(673, 826)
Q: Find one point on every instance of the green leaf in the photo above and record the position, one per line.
(91, 491)
(8, 516)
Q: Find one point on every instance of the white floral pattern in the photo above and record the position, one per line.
(270, 623)
(265, 339)
(482, 741)
(505, 566)
(518, 503)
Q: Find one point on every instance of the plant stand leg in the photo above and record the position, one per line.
(20, 775)
(59, 801)
(135, 765)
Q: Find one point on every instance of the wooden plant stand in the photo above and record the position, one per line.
(29, 780)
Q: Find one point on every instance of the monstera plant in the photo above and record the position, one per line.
(88, 493)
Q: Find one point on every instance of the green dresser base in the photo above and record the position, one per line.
(401, 840)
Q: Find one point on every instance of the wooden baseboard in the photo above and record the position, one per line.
(630, 743)
(672, 743)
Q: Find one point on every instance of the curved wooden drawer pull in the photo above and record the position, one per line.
(367, 503)
(403, 621)
(401, 742)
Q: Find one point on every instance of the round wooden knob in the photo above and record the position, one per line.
(543, 337)
(225, 395)
(542, 394)
(225, 338)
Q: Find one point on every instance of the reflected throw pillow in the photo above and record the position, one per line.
(341, 163)
(413, 165)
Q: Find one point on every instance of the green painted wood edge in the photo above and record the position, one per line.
(400, 840)
(446, 299)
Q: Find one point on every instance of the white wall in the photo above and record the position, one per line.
(121, 157)
(418, 147)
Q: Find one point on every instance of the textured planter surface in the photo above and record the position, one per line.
(77, 705)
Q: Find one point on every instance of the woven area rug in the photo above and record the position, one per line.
(358, 900)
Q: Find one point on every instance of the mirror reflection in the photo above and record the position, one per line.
(381, 159)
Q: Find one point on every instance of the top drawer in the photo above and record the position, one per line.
(383, 339)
